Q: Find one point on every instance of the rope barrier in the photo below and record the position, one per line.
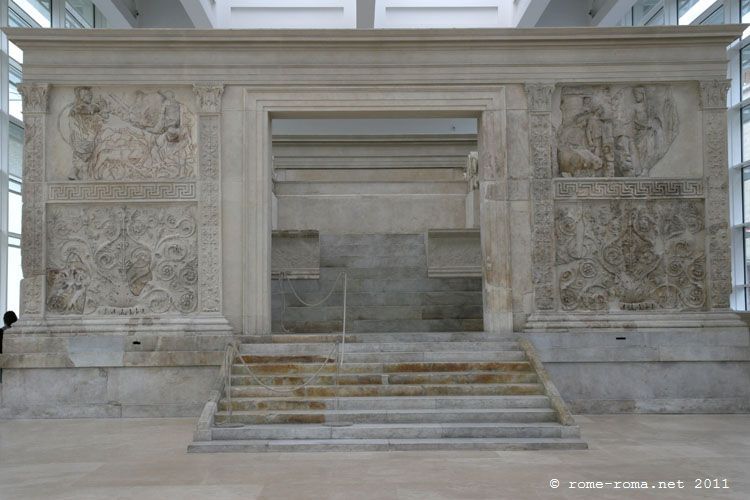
(232, 352)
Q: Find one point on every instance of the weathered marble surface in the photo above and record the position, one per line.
(296, 254)
(454, 253)
(621, 131)
(189, 139)
(121, 133)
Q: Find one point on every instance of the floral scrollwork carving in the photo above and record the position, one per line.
(631, 255)
(124, 260)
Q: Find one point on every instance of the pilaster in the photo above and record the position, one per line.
(713, 94)
(209, 196)
(34, 167)
(539, 98)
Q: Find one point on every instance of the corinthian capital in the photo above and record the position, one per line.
(209, 97)
(714, 93)
(34, 97)
(539, 96)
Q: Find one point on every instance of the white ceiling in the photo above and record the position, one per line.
(364, 14)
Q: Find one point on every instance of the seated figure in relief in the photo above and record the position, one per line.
(577, 153)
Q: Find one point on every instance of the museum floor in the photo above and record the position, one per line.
(146, 458)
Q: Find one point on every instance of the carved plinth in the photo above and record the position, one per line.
(295, 254)
(454, 253)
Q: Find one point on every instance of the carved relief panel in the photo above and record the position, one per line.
(132, 220)
(111, 134)
(625, 131)
(631, 255)
(108, 259)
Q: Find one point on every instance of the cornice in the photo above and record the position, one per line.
(26, 38)
(374, 58)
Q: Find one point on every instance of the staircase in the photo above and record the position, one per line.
(393, 391)
(388, 290)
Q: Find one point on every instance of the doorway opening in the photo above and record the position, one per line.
(393, 202)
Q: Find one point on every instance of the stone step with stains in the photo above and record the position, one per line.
(398, 431)
(368, 347)
(484, 415)
(391, 357)
(251, 391)
(380, 368)
(496, 377)
(369, 445)
(385, 403)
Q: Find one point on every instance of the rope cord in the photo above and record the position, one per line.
(296, 295)
(284, 390)
(232, 352)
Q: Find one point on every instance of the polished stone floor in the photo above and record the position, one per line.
(146, 459)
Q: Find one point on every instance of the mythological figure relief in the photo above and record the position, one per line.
(143, 136)
(617, 131)
(631, 255)
(121, 260)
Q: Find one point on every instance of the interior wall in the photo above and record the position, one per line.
(371, 184)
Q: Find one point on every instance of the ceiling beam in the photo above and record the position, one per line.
(365, 14)
(611, 12)
(117, 14)
(526, 13)
(201, 12)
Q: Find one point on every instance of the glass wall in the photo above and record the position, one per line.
(705, 12)
(27, 14)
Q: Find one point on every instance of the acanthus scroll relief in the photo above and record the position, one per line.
(121, 260)
(614, 131)
(631, 255)
(143, 135)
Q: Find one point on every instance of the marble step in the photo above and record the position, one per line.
(483, 415)
(385, 368)
(379, 347)
(397, 431)
(399, 390)
(242, 377)
(385, 403)
(390, 357)
(353, 338)
(361, 445)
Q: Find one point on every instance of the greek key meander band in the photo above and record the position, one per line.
(615, 188)
(122, 192)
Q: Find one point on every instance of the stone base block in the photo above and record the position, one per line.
(111, 392)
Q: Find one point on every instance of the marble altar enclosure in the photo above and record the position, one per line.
(148, 191)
